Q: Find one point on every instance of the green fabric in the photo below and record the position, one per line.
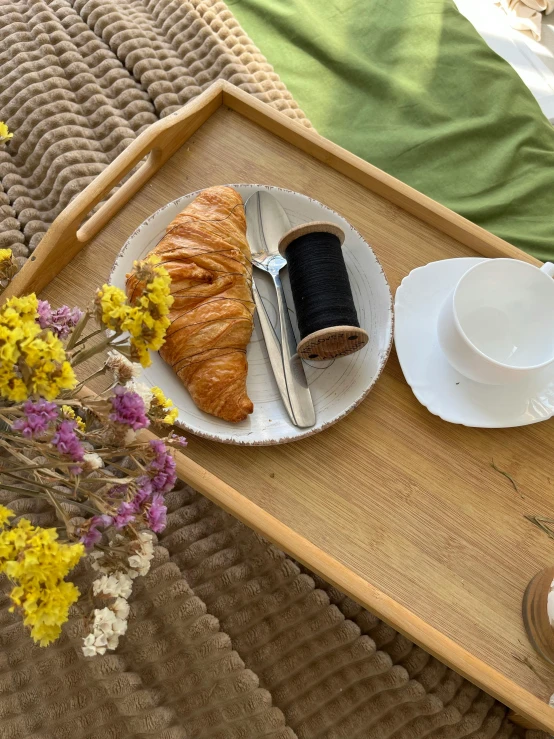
(411, 87)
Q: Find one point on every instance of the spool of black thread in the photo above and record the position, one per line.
(325, 310)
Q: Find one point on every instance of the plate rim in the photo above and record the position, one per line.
(383, 358)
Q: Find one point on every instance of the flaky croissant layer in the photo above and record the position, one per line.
(208, 259)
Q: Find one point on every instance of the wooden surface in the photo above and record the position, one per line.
(410, 516)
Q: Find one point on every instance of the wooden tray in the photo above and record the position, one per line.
(397, 508)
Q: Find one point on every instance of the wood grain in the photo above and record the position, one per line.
(396, 507)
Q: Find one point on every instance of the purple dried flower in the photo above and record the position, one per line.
(92, 536)
(103, 520)
(128, 409)
(178, 440)
(125, 515)
(117, 491)
(60, 321)
(157, 514)
(67, 442)
(36, 419)
(44, 310)
(143, 492)
(162, 468)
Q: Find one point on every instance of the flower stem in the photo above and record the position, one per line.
(79, 328)
(85, 354)
(26, 480)
(89, 336)
(99, 372)
(57, 506)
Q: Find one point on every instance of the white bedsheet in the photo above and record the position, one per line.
(533, 61)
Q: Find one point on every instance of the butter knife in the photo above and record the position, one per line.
(267, 222)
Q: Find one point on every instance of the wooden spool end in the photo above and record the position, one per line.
(535, 614)
(328, 343)
(310, 228)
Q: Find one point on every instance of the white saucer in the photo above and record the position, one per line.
(437, 385)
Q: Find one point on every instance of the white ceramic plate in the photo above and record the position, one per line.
(436, 384)
(337, 386)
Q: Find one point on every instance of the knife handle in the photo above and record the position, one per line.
(295, 377)
(273, 349)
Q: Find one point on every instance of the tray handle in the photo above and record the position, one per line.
(68, 234)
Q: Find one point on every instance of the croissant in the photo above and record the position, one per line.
(208, 259)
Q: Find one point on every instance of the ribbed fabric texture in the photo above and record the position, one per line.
(230, 639)
(80, 79)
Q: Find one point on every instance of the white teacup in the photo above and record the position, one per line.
(497, 325)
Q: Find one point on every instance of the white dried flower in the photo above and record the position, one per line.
(146, 539)
(125, 584)
(119, 626)
(95, 556)
(117, 585)
(140, 563)
(113, 641)
(143, 390)
(122, 369)
(129, 438)
(103, 620)
(92, 461)
(89, 648)
(107, 585)
(94, 644)
(121, 608)
(100, 638)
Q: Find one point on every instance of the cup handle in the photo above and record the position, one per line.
(548, 267)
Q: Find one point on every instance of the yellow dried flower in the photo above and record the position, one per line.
(5, 134)
(162, 406)
(33, 360)
(50, 379)
(146, 320)
(37, 563)
(171, 417)
(5, 515)
(68, 412)
(113, 307)
(12, 387)
(8, 265)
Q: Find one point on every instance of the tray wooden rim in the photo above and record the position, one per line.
(66, 237)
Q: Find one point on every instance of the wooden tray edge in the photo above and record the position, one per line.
(371, 177)
(64, 239)
(528, 707)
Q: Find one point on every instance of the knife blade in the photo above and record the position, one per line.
(266, 223)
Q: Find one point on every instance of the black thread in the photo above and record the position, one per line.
(319, 283)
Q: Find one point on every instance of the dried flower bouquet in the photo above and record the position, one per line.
(80, 453)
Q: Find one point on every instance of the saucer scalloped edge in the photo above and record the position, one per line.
(435, 383)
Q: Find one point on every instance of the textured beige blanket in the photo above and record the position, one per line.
(80, 79)
(229, 639)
